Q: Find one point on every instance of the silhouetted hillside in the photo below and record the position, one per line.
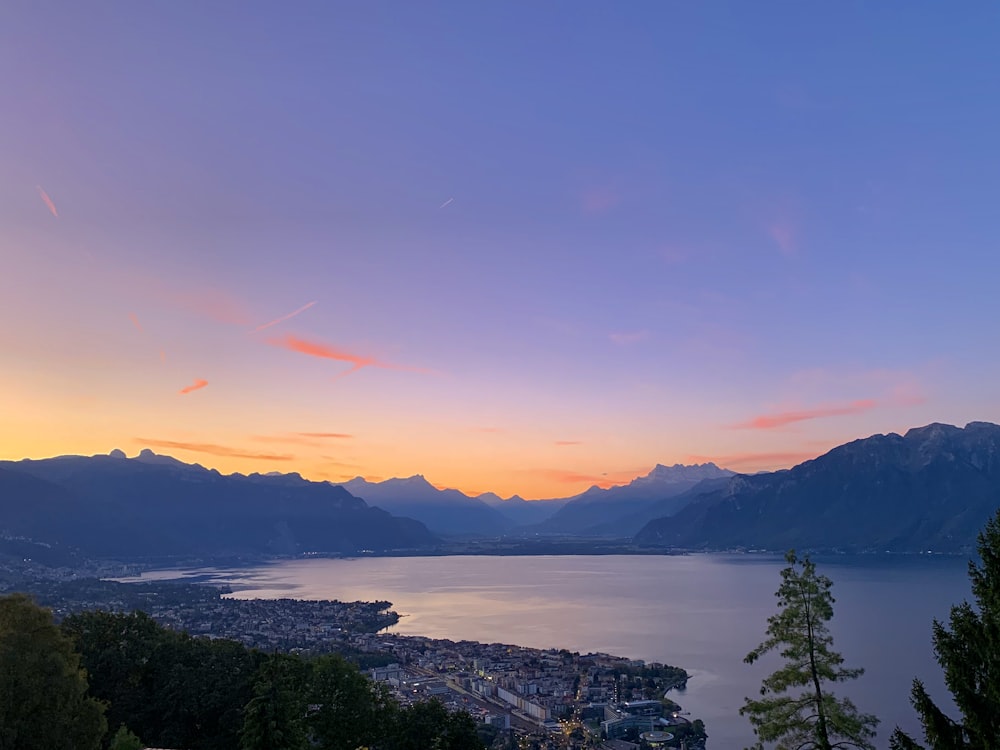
(158, 506)
(930, 489)
(603, 512)
(443, 511)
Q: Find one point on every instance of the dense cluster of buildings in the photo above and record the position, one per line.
(548, 692)
(532, 689)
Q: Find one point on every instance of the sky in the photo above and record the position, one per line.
(514, 247)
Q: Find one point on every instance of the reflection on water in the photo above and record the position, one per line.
(700, 612)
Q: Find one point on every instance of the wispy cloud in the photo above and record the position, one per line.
(568, 442)
(283, 318)
(135, 322)
(599, 200)
(489, 430)
(569, 476)
(780, 419)
(628, 337)
(896, 387)
(196, 385)
(334, 461)
(302, 438)
(447, 203)
(785, 236)
(212, 449)
(326, 351)
(48, 201)
(285, 440)
(205, 302)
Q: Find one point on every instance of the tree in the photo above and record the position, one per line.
(969, 654)
(125, 739)
(346, 709)
(429, 724)
(171, 689)
(814, 719)
(273, 719)
(43, 689)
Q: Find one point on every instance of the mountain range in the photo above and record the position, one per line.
(931, 489)
(149, 506)
(623, 510)
(442, 511)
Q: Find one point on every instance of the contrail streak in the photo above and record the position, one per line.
(48, 201)
(283, 318)
(450, 200)
(135, 322)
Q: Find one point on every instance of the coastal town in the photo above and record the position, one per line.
(531, 698)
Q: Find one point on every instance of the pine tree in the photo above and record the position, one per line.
(969, 654)
(814, 719)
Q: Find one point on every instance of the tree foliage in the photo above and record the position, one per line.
(125, 739)
(347, 710)
(171, 689)
(273, 719)
(968, 650)
(44, 703)
(813, 719)
(203, 694)
(430, 725)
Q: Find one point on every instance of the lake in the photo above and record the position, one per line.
(699, 612)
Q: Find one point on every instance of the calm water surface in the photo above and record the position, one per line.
(700, 612)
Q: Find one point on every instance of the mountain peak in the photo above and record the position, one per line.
(682, 473)
(933, 431)
(147, 456)
(117, 453)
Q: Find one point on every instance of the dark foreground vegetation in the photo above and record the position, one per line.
(104, 679)
(797, 708)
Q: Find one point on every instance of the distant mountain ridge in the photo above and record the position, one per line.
(152, 505)
(442, 511)
(930, 489)
(622, 510)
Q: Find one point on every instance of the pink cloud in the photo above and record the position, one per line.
(785, 236)
(206, 302)
(196, 385)
(135, 322)
(907, 393)
(628, 337)
(283, 318)
(326, 351)
(284, 439)
(673, 254)
(567, 442)
(896, 387)
(48, 201)
(780, 419)
(605, 479)
(599, 200)
(212, 449)
(314, 439)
